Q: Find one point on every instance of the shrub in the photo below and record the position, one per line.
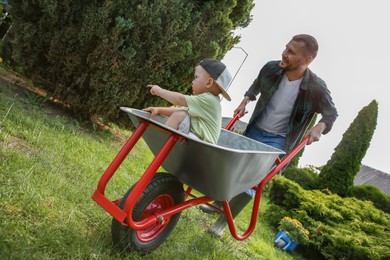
(5, 25)
(96, 55)
(340, 228)
(370, 192)
(294, 229)
(287, 195)
(339, 172)
(306, 177)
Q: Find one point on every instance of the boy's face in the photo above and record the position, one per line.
(202, 81)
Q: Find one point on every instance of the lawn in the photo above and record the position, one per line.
(50, 164)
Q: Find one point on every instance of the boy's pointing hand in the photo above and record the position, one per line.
(154, 90)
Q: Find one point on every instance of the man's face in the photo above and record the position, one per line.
(293, 57)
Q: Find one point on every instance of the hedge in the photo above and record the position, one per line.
(340, 228)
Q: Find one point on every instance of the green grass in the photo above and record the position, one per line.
(50, 165)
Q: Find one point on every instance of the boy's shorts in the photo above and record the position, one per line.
(185, 127)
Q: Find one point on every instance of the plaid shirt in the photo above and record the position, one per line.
(313, 97)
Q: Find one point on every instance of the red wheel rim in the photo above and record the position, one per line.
(161, 202)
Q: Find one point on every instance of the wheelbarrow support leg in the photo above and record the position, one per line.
(242, 201)
(236, 204)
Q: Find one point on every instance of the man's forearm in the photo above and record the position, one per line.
(245, 101)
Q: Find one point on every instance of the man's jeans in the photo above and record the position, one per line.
(271, 139)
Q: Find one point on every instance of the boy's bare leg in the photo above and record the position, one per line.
(175, 119)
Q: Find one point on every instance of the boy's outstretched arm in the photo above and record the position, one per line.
(164, 111)
(172, 97)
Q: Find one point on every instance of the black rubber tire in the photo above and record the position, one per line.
(163, 186)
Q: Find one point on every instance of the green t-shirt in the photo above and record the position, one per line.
(205, 113)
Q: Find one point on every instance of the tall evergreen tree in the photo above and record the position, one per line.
(98, 55)
(339, 172)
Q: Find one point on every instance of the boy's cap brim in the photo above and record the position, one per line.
(221, 81)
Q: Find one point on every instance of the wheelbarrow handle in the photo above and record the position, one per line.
(280, 164)
(232, 122)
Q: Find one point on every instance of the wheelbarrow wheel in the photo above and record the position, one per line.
(163, 191)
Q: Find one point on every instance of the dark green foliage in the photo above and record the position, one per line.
(340, 228)
(99, 55)
(306, 177)
(370, 192)
(5, 19)
(5, 24)
(339, 172)
(288, 196)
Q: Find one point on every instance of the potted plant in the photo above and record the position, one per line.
(291, 233)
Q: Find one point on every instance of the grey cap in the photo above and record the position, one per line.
(219, 72)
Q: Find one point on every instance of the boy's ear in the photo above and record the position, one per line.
(210, 83)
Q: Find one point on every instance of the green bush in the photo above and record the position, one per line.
(306, 177)
(6, 19)
(370, 192)
(339, 172)
(340, 228)
(5, 25)
(97, 55)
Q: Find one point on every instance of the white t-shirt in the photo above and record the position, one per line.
(276, 115)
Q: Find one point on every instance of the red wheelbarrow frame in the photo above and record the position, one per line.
(160, 218)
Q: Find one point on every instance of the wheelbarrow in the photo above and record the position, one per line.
(151, 208)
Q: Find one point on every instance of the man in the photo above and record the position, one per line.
(290, 96)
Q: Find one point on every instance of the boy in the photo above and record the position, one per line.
(199, 113)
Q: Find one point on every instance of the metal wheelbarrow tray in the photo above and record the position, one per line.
(236, 163)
